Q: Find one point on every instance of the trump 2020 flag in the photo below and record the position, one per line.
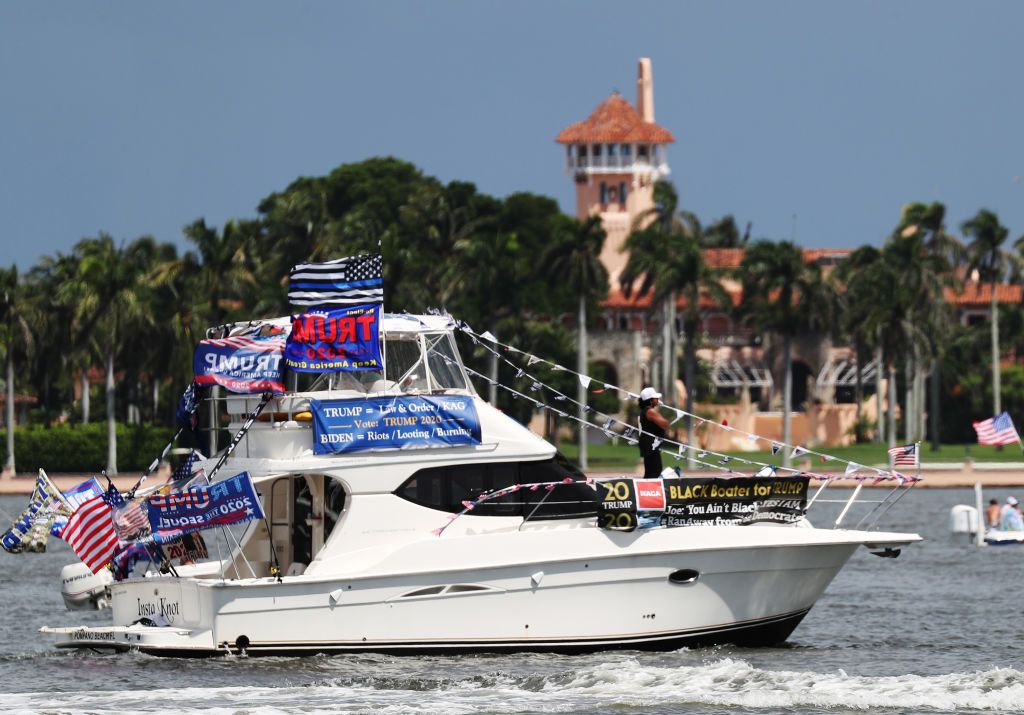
(997, 430)
(230, 501)
(243, 363)
(355, 280)
(335, 340)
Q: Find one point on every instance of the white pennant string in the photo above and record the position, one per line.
(584, 380)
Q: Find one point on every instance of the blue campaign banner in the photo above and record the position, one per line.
(245, 363)
(412, 422)
(231, 501)
(335, 340)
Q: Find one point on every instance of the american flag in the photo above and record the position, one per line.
(906, 456)
(997, 430)
(90, 530)
(347, 281)
(184, 471)
(131, 520)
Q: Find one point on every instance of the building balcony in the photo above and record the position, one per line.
(616, 165)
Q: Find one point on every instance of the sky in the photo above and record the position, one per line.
(814, 121)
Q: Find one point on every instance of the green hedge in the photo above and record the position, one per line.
(83, 448)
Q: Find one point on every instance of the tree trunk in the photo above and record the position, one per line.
(787, 398)
(858, 393)
(933, 409)
(690, 368)
(581, 368)
(922, 402)
(879, 407)
(10, 409)
(111, 423)
(891, 390)
(156, 399)
(86, 404)
(997, 402)
(909, 419)
(666, 350)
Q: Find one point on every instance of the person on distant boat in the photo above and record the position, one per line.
(993, 514)
(1010, 519)
(652, 426)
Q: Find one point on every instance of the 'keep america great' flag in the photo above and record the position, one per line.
(354, 280)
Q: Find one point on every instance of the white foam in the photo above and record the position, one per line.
(624, 684)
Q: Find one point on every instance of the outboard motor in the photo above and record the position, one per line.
(83, 590)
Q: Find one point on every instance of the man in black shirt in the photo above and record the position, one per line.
(652, 426)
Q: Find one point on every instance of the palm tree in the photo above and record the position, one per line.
(907, 309)
(928, 221)
(724, 233)
(653, 233)
(224, 264)
(480, 265)
(15, 328)
(993, 263)
(573, 259)
(700, 281)
(107, 294)
(853, 287)
(783, 294)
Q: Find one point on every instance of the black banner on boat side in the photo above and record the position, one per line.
(693, 501)
(745, 500)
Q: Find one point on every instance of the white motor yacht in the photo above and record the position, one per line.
(349, 557)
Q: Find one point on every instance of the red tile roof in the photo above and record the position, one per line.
(980, 294)
(615, 120)
(617, 299)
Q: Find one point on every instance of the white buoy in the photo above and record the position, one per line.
(979, 532)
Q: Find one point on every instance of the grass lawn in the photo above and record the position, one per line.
(619, 455)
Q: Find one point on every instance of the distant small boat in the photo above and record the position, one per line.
(998, 537)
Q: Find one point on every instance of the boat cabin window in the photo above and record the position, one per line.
(445, 488)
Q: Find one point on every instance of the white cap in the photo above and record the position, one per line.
(649, 393)
(1012, 501)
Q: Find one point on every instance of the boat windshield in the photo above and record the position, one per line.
(422, 362)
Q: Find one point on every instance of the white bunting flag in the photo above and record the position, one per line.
(486, 335)
(797, 452)
(584, 380)
(851, 468)
(532, 360)
(655, 443)
(776, 447)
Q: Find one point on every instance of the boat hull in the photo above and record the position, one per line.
(751, 597)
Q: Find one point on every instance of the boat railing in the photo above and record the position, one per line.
(869, 510)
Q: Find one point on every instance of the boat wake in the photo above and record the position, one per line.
(625, 686)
